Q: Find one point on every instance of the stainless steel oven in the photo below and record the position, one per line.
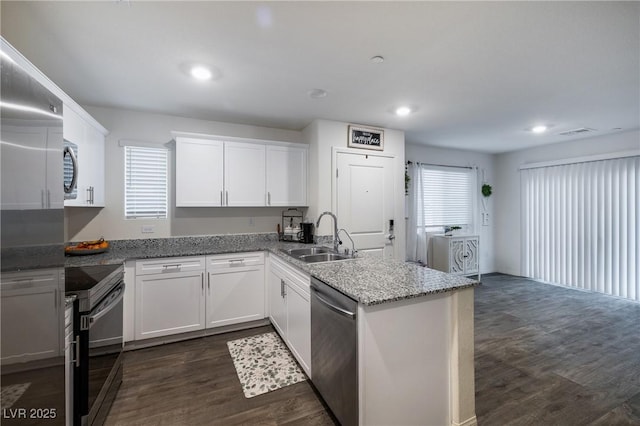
(100, 291)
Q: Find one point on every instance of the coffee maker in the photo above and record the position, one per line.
(306, 234)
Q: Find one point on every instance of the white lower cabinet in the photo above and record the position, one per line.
(32, 309)
(299, 325)
(170, 297)
(184, 294)
(290, 309)
(235, 289)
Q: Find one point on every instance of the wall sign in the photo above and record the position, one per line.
(366, 138)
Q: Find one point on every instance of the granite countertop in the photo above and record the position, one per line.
(366, 279)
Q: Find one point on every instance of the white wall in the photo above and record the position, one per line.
(486, 164)
(322, 136)
(88, 223)
(507, 186)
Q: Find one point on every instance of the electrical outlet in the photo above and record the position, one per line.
(485, 219)
(148, 229)
(251, 221)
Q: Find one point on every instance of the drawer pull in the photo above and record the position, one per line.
(172, 266)
(236, 261)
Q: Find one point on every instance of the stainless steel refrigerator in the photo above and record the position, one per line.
(32, 363)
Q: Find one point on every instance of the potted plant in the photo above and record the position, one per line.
(486, 190)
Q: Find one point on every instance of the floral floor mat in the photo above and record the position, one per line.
(11, 393)
(263, 364)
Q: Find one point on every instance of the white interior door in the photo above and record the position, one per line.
(365, 201)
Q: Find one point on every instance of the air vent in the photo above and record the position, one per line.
(578, 131)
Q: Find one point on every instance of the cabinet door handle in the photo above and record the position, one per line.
(227, 195)
(202, 281)
(42, 199)
(269, 198)
(221, 200)
(48, 198)
(283, 288)
(209, 283)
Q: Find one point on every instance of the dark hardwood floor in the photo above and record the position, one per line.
(544, 356)
(195, 383)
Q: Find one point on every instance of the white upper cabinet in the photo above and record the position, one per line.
(244, 170)
(241, 173)
(199, 172)
(91, 166)
(286, 176)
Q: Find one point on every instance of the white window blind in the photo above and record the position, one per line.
(448, 196)
(145, 194)
(581, 226)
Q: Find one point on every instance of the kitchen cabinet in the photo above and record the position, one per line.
(286, 179)
(276, 288)
(90, 139)
(214, 172)
(37, 169)
(199, 172)
(184, 294)
(290, 309)
(235, 289)
(31, 315)
(456, 254)
(244, 170)
(169, 297)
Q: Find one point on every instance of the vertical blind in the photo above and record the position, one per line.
(581, 225)
(145, 182)
(448, 196)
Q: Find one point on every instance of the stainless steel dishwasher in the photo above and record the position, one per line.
(334, 350)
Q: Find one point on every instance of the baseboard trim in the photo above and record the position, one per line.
(157, 341)
(472, 421)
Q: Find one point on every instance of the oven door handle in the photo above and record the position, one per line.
(105, 309)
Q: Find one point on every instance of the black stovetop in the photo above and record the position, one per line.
(83, 278)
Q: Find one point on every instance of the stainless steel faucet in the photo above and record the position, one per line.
(353, 245)
(336, 240)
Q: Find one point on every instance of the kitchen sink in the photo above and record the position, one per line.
(323, 257)
(308, 251)
(315, 254)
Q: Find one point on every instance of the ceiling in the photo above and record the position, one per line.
(478, 74)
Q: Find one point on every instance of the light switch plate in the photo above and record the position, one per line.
(485, 219)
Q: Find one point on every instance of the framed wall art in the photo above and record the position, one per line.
(366, 138)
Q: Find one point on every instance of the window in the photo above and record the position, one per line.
(448, 196)
(145, 182)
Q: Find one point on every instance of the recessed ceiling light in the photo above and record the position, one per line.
(403, 111)
(317, 93)
(200, 72)
(377, 59)
(539, 129)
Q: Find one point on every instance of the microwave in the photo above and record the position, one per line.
(70, 160)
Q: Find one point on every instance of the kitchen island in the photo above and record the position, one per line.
(414, 328)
